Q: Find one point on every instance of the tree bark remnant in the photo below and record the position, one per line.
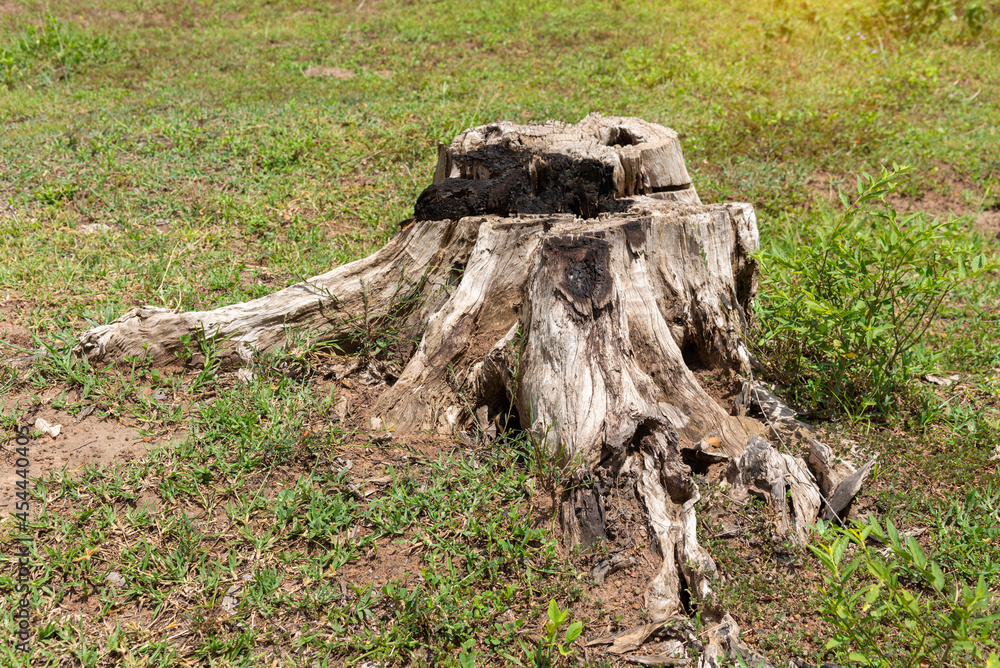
(570, 274)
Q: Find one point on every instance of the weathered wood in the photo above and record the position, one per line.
(587, 508)
(723, 647)
(839, 482)
(658, 660)
(764, 472)
(846, 491)
(566, 275)
(830, 470)
(418, 259)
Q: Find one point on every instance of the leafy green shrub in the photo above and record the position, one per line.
(843, 317)
(899, 609)
(55, 49)
(910, 19)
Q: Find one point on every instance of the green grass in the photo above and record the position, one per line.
(175, 154)
(248, 500)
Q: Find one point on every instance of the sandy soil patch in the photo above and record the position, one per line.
(91, 440)
(325, 72)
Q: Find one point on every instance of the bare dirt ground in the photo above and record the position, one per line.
(91, 440)
(11, 331)
(954, 201)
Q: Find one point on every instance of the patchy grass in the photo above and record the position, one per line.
(266, 535)
(178, 154)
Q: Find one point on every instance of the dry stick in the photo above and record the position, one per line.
(170, 259)
(163, 278)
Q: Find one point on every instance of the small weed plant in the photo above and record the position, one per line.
(845, 318)
(551, 648)
(384, 338)
(897, 607)
(202, 349)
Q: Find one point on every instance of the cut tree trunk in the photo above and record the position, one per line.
(568, 274)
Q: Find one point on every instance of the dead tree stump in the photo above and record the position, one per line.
(569, 273)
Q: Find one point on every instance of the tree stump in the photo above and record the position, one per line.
(565, 273)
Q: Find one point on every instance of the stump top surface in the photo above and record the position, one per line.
(504, 168)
